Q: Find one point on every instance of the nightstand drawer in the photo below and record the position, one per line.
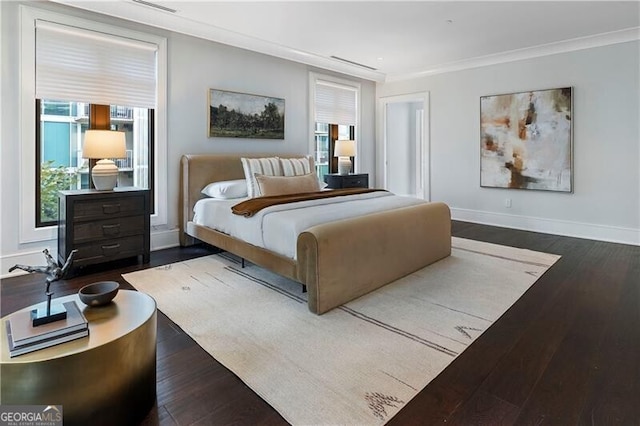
(354, 182)
(336, 181)
(111, 228)
(109, 250)
(103, 208)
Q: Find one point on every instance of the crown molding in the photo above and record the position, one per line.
(135, 12)
(588, 42)
(139, 13)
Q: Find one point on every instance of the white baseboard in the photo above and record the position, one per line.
(614, 234)
(165, 239)
(159, 240)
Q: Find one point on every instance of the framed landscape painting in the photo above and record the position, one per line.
(240, 115)
(526, 140)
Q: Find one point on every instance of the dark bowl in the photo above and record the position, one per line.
(98, 294)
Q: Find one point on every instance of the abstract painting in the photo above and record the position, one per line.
(240, 115)
(526, 140)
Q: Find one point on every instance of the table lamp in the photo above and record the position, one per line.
(344, 150)
(104, 145)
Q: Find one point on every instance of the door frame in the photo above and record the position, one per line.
(423, 175)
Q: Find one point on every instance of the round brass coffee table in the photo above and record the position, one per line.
(107, 378)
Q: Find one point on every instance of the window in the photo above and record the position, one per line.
(60, 133)
(322, 149)
(31, 20)
(87, 87)
(335, 105)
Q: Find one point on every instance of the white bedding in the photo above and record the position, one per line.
(276, 228)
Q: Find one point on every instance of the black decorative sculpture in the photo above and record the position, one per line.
(54, 272)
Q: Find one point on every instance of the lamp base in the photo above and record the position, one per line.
(344, 165)
(105, 175)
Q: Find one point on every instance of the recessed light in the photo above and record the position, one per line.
(380, 58)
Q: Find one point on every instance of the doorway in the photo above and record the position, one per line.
(405, 144)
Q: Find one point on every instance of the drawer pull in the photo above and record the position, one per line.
(111, 208)
(110, 249)
(109, 230)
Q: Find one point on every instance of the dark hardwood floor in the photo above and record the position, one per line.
(567, 353)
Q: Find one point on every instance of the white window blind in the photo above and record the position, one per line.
(335, 104)
(76, 64)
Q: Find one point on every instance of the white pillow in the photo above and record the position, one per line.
(269, 166)
(226, 189)
(297, 166)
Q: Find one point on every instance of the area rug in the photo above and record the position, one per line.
(359, 363)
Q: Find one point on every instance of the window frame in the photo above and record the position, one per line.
(27, 128)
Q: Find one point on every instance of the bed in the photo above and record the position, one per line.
(337, 261)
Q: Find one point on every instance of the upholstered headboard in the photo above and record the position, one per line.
(198, 170)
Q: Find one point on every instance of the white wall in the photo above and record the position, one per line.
(605, 203)
(194, 66)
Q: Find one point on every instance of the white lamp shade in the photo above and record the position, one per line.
(104, 144)
(344, 148)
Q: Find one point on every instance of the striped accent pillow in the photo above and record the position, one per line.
(264, 166)
(297, 166)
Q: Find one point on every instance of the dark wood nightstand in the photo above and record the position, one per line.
(352, 180)
(104, 225)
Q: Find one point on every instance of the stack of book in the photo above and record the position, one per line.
(24, 337)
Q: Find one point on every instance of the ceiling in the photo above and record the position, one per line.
(390, 39)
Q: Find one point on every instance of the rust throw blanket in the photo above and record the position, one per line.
(252, 206)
